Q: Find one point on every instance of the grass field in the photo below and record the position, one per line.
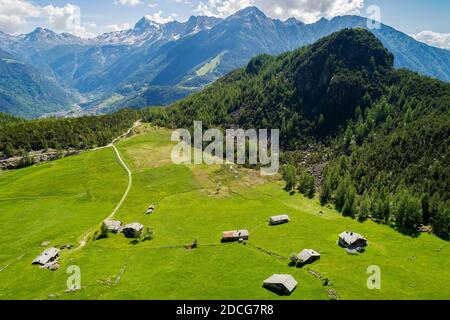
(61, 200)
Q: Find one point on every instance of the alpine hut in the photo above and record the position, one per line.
(276, 220)
(351, 240)
(112, 226)
(133, 230)
(307, 256)
(48, 256)
(230, 236)
(283, 284)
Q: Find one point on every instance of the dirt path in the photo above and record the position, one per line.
(85, 237)
(130, 183)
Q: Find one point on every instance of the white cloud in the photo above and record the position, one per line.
(62, 18)
(117, 27)
(436, 39)
(15, 14)
(127, 2)
(158, 17)
(153, 5)
(305, 10)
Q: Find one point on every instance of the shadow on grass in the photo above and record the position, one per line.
(135, 242)
(278, 292)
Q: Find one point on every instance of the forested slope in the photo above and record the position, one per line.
(388, 129)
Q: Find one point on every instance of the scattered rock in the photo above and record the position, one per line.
(425, 229)
(38, 157)
(333, 294)
(45, 243)
(54, 266)
(66, 246)
(325, 281)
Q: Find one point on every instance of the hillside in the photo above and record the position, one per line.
(26, 92)
(388, 129)
(159, 63)
(62, 200)
(379, 135)
(18, 136)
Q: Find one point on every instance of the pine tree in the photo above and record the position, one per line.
(341, 193)
(325, 193)
(348, 210)
(290, 177)
(364, 208)
(426, 208)
(441, 221)
(408, 215)
(311, 187)
(9, 151)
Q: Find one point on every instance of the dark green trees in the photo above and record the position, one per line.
(307, 184)
(290, 177)
(408, 212)
(76, 133)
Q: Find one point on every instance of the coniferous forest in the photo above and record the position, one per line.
(385, 132)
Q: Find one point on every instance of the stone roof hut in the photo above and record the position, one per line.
(112, 226)
(283, 284)
(229, 236)
(133, 230)
(307, 256)
(351, 240)
(49, 255)
(276, 220)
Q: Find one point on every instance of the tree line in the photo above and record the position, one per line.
(18, 137)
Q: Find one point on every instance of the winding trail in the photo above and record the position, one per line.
(86, 235)
(130, 183)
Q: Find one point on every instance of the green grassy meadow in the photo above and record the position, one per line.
(60, 201)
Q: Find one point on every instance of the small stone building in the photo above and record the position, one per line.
(283, 284)
(351, 240)
(307, 256)
(112, 226)
(133, 230)
(230, 236)
(46, 257)
(276, 220)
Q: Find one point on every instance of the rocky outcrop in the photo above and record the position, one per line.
(35, 157)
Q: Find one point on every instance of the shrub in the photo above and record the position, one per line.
(148, 234)
(294, 259)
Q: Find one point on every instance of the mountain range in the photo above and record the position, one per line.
(156, 64)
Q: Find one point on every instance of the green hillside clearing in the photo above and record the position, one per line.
(61, 200)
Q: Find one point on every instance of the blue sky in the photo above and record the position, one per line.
(427, 19)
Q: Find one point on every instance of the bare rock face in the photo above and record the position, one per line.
(37, 156)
